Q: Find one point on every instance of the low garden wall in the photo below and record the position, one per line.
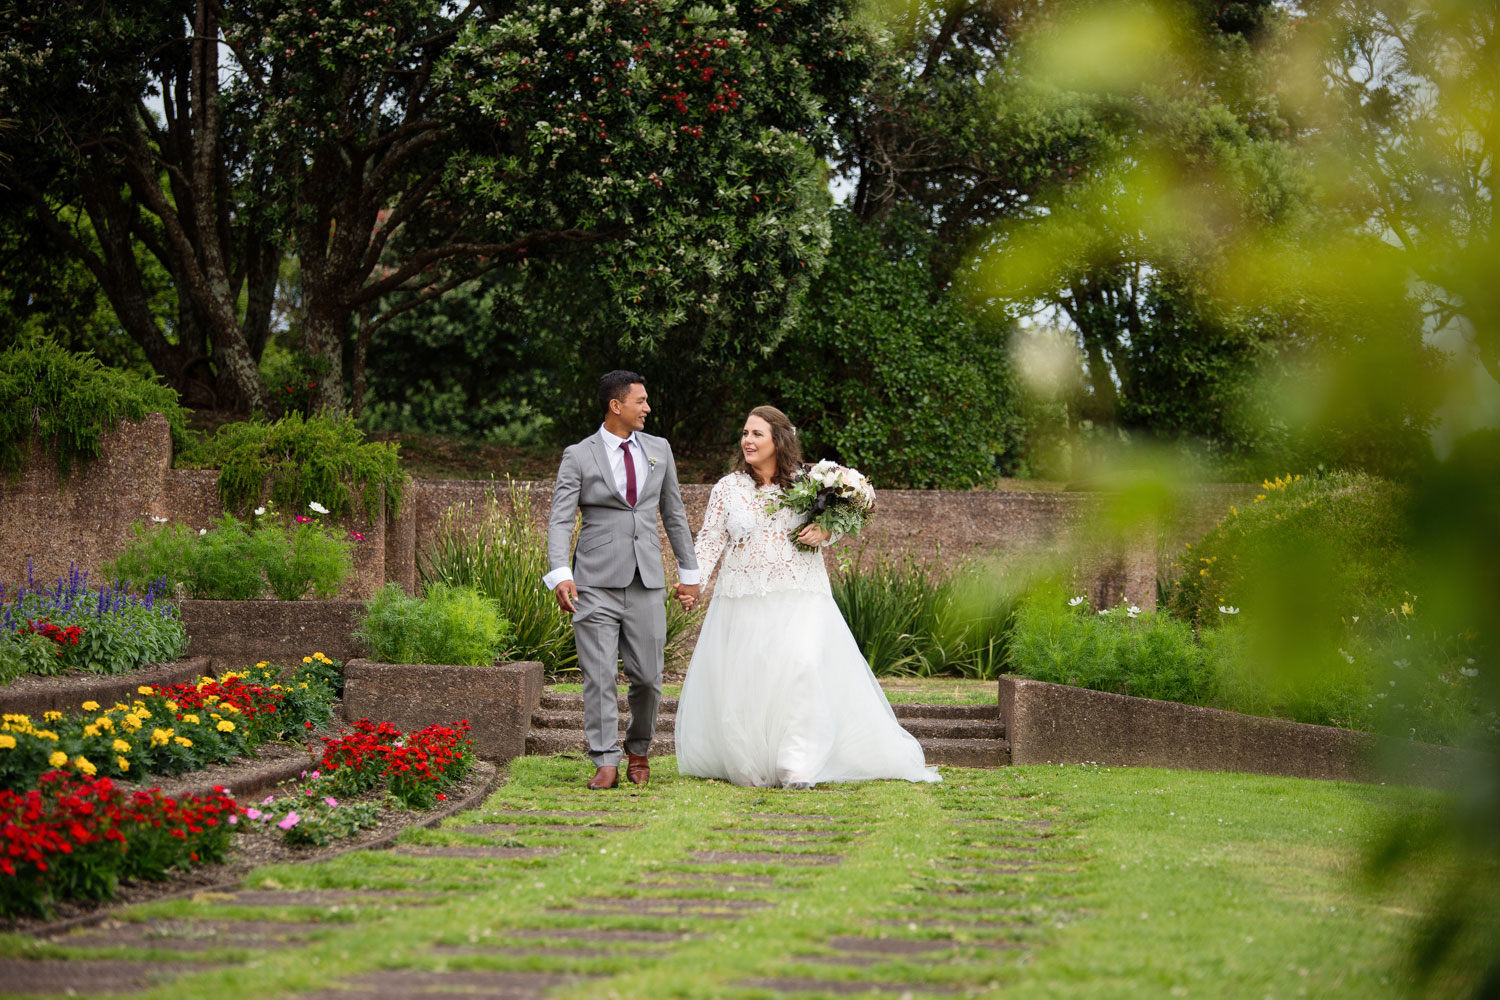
(32, 695)
(1060, 724)
(497, 700)
(86, 519)
(239, 633)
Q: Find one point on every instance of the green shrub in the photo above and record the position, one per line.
(232, 561)
(297, 460)
(499, 550)
(302, 558)
(71, 401)
(1118, 649)
(456, 625)
(1343, 529)
(160, 551)
(226, 562)
(907, 622)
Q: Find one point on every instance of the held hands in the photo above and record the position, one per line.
(567, 596)
(813, 535)
(686, 595)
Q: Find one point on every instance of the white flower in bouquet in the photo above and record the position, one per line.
(838, 499)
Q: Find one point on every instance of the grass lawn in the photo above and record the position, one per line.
(1066, 882)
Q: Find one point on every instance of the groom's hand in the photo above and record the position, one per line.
(687, 595)
(567, 596)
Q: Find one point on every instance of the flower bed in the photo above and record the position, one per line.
(71, 626)
(415, 767)
(169, 729)
(76, 837)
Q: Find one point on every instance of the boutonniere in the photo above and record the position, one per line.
(650, 462)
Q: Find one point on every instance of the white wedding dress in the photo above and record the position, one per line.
(778, 692)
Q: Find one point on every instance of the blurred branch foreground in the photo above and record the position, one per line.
(1327, 176)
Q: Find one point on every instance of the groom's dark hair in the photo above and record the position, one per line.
(616, 385)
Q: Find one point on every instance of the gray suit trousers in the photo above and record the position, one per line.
(626, 625)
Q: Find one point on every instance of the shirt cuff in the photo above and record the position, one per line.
(687, 577)
(557, 576)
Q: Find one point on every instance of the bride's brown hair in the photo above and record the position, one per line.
(788, 449)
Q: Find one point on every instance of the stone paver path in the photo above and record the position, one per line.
(880, 889)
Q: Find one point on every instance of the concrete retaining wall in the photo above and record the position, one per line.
(32, 695)
(1059, 724)
(497, 700)
(239, 633)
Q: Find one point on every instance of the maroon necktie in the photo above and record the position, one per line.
(629, 473)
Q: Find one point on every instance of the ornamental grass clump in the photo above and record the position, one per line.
(71, 626)
(447, 625)
(499, 550)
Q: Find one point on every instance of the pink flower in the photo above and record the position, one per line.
(290, 820)
(333, 802)
(252, 812)
(268, 800)
(234, 819)
(356, 536)
(303, 519)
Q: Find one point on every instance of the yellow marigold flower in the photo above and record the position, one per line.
(120, 746)
(160, 736)
(123, 763)
(51, 716)
(12, 717)
(7, 741)
(182, 741)
(191, 720)
(91, 706)
(91, 730)
(263, 663)
(105, 723)
(58, 758)
(171, 705)
(307, 659)
(45, 734)
(145, 689)
(141, 711)
(85, 765)
(319, 656)
(131, 723)
(120, 706)
(225, 726)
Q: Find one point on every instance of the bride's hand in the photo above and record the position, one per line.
(812, 534)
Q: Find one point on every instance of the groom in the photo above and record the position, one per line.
(619, 477)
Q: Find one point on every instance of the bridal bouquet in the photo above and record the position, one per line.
(836, 498)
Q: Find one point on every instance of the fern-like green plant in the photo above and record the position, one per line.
(454, 625)
(297, 460)
(71, 401)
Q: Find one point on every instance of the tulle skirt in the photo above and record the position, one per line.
(778, 692)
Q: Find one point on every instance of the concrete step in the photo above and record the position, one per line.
(554, 701)
(544, 718)
(953, 729)
(561, 702)
(572, 741)
(966, 753)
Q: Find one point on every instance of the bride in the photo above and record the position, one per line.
(778, 692)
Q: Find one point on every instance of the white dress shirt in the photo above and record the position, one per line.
(616, 457)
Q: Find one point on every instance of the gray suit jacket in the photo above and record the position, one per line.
(617, 541)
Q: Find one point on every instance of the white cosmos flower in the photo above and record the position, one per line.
(202, 531)
(259, 511)
(158, 520)
(1075, 601)
(1134, 610)
(316, 507)
(1105, 611)
(1225, 609)
(1469, 671)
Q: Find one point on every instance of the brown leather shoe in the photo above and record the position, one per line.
(605, 777)
(639, 769)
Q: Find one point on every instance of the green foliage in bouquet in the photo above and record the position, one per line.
(837, 499)
(455, 625)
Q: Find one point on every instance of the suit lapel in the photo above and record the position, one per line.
(601, 459)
